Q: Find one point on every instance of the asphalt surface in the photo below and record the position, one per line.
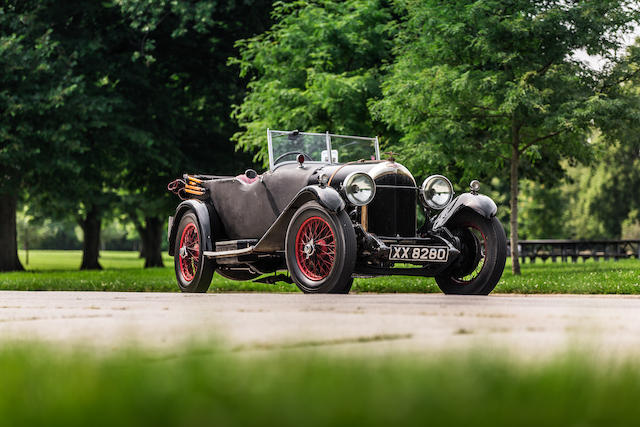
(532, 326)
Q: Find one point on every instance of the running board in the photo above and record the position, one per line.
(227, 254)
(231, 248)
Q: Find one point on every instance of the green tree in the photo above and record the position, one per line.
(314, 70)
(79, 174)
(542, 212)
(490, 84)
(603, 199)
(180, 96)
(35, 81)
(604, 196)
(152, 99)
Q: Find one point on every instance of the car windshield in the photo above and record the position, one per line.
(285, 146)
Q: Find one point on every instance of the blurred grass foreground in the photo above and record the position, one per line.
(202, 386)
(58, 270)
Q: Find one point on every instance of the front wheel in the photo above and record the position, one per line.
(193, 270)
(482, 258)
(320, 250)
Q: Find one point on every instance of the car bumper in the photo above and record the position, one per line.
(378, 256)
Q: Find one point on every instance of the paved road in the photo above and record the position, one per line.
(532, 326)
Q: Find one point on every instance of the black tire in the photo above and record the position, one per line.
(329, 264)
(484, 253)
(193, 270)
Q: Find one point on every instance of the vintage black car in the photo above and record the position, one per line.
(330, 209)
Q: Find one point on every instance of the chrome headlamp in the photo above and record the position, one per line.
(359, 188)
(436, 192)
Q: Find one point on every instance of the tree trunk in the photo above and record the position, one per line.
(151, 236)
(9, 260)
(91, 242)
(515, 160)
(142, 252)
(142, 233)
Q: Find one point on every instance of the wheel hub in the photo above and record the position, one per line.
(308, 249)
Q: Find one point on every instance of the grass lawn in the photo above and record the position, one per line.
(58, 270)
(202, 386)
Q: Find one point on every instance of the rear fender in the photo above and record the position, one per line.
(327, 197)
(479, 203)
(204, 219)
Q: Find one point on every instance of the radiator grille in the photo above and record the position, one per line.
(393, 210)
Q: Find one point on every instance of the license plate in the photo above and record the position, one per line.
(419, 253)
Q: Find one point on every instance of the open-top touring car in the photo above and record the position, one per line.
(330, 209)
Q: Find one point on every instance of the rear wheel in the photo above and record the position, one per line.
(483, 255)
(193, 270)
(320, 250)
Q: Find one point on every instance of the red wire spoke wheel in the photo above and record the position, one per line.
(193, 270)
(320, 250)
(189, 252)
(315, 248)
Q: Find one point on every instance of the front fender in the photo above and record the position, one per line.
(204, 219)
(476, 202)
(327, 197)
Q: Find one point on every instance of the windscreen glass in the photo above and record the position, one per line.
(287, 146)
(349, 149)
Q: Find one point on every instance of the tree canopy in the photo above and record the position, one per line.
(113, 100)
(35, 82)
(481, 85)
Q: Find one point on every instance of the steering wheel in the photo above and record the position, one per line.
(288, 153)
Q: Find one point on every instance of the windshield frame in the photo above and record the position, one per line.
(327, 136)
